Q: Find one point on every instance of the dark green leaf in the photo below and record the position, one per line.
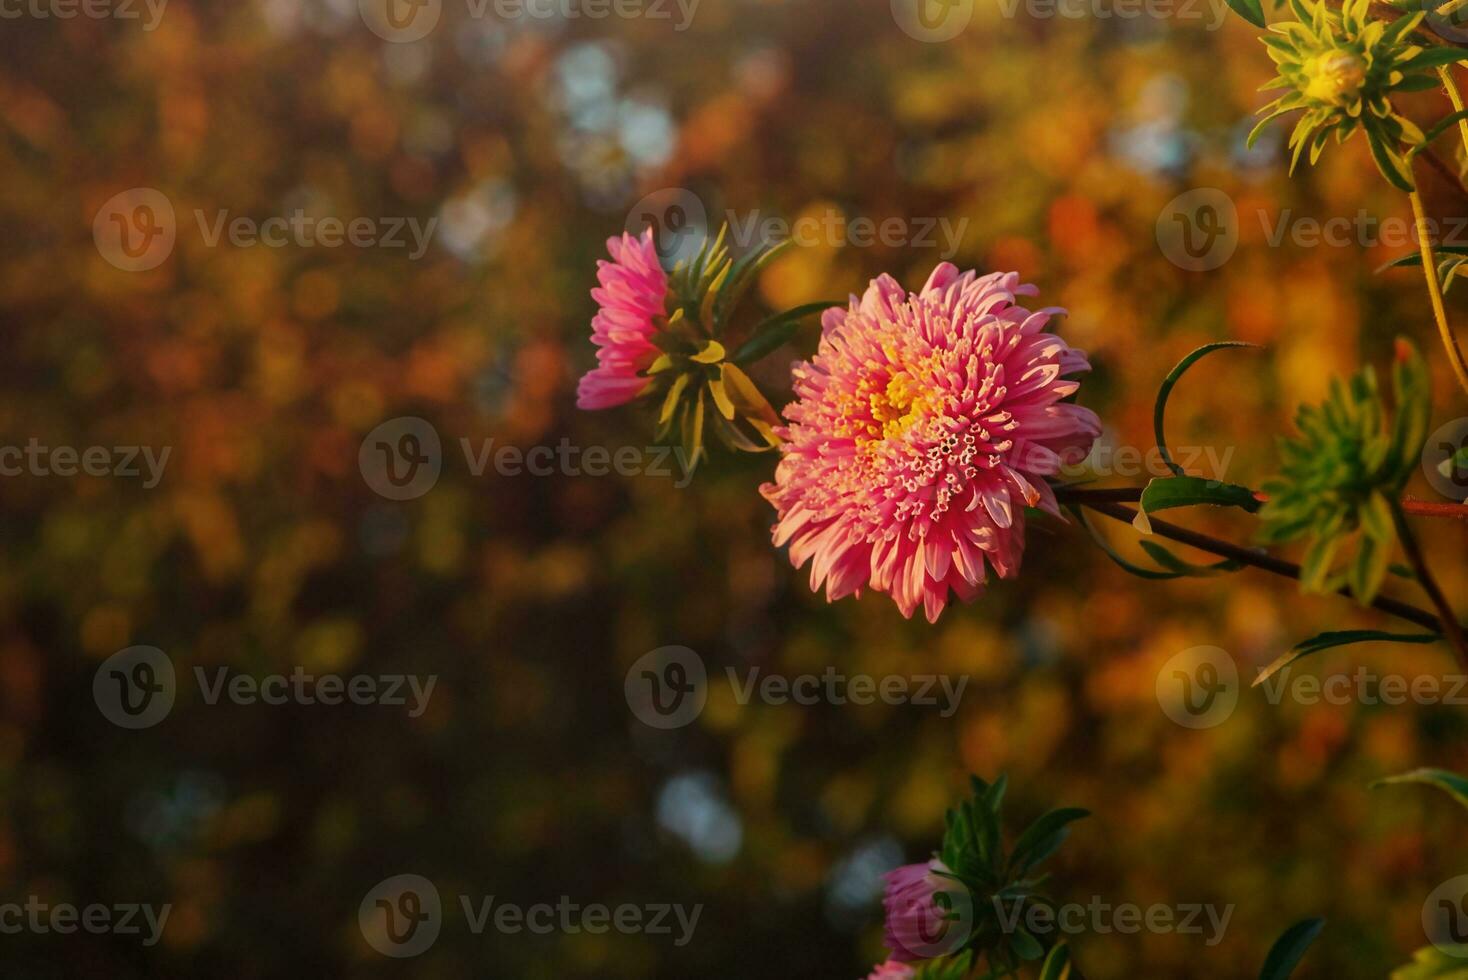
(1042, 837)
(1250, 10)
(776, 331)
(1340, 638)
(1166, 493)
(1290, 948)
(1057, 964)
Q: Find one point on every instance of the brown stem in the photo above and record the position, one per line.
(1248, 556)
(1427, 508)
(1130, 495)
(1453, 630)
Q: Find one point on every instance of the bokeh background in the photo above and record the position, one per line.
(1059, 139)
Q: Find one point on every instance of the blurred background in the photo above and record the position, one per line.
(263, 547)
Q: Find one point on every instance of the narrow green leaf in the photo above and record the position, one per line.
(1115, 556)
(1290, 948)
(1057, 964)
(1042, 837)
(1173, 563)
(1159, 409)
(1250, 10)
(1449, 782)
(1339, 638)
(776, 331)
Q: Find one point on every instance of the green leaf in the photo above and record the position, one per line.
(1250, 10)
(1415, 258)
(1043, 837)
(1388, 160)
(1290, 948)
(1159, 409)
(1168, 492)
(1057, 964)
(1027, 946)
(776, 331)
(1432, 963)
(742, 275)
(1449, 782)
(1110, 552)
(1173, 563)
(1339, 638)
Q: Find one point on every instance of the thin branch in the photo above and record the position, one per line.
(1253, 557)
(1453, 630)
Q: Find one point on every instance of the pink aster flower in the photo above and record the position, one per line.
(892, 970)
(918, 927)
(633, 288)
(924, 426)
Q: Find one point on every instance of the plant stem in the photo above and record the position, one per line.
(1452, 629)
(1450, 86)
(1253, 557)
(1434, 292)
(1130, 495)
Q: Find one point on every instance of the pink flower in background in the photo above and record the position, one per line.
(633, 288)
(918, 927)
(892, 970)
(923, 427)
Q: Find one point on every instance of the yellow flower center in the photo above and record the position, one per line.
(1335, 78)
(896, 407)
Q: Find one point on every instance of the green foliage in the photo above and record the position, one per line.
(1172, 566)
(1339, 638)
(1449, 782)
(700, 386)
(1449, 259)
(1338, 68)
(1001, 884)
(1343, 473)
(1290, 948)
(1432, 963)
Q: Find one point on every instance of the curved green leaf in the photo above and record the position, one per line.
(1290, 948)
(1057, 964)
(1339, 638)
(1159, 410)
(1449, 782)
